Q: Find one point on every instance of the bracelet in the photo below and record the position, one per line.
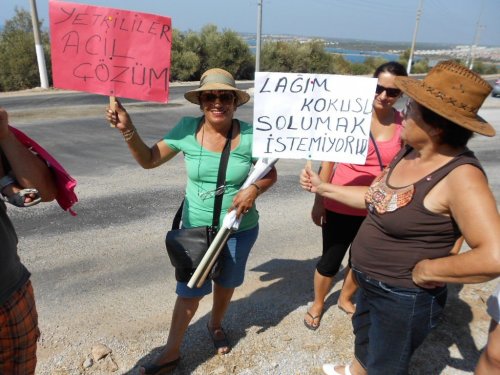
(128, 134)
(256, 186)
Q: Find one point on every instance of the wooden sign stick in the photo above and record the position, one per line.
(112, 106)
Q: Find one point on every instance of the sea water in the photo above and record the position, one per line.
(353, 56)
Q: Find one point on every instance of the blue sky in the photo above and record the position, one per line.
(442, 21)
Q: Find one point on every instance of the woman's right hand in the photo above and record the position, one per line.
(309, 180)
(119, 118)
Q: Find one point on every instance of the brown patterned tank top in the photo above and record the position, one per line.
(399, 231)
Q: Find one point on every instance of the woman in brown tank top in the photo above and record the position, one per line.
(433, 192)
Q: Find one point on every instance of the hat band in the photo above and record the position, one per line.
(448, 100)
(217, 78)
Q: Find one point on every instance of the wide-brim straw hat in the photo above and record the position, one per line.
(452, 91)
(217, 79)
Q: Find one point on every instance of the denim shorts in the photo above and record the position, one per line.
(391, 322)
(233, 259)
(494, 304)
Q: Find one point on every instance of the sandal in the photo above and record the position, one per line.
(221, 341)
(329, 369)
(19, 199)
(152, 369)
(311, 325)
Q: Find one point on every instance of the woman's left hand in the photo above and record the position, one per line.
(244, 200)
(419, 276)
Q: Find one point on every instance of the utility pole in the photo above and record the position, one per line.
(40, 56)
(259, 35)
(473, 47)
(412, 49)
(475, 42)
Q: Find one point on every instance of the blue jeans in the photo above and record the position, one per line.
(233, 260)
(391, 322)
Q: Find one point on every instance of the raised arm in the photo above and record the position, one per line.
(147, 157)
(353, 196)
(29, 170)
(473, 206)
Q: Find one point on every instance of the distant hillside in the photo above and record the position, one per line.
(352, 43)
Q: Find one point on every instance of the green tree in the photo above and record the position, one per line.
(185, 60)
(18, 61)
(481, 67)
(296, 56)
(404, 57)
(361, 69)
(420, 66)
(226, 50)
(339, 65)
(372, 63)
(193, 53)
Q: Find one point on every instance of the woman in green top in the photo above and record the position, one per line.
(202, 140)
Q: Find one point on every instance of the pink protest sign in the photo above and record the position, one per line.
(109, 51)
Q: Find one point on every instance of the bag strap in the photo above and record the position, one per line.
(219, 187)
(221, 178)
(377, 151)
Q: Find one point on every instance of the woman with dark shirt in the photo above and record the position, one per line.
(433, 192)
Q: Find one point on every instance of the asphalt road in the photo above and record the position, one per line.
(103, 276)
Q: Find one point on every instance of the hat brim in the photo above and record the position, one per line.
(414, 89)
(193, 96)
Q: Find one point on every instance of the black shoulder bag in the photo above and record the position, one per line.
(187, 246)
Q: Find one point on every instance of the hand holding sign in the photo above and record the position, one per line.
(119, 117)
(309, 180)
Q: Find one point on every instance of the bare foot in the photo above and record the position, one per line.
(346, 305)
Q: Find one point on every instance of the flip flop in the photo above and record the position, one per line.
(152, 369)
(311, 326)
(329, 369)
(219, 342)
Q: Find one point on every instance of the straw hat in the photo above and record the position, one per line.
(217, 79)
(452, 91)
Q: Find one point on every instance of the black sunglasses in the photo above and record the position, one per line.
(392, 93)
(225, 98)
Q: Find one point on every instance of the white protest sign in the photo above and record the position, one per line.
(312, 116)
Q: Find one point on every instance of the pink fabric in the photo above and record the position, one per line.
(363, 175)
(66, 184)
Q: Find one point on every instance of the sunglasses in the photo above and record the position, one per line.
(225, 98)
(392, 93)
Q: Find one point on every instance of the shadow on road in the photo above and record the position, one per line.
(251, 313)
(451, 343)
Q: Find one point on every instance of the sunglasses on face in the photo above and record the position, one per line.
(392, 93)
(224, 98)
